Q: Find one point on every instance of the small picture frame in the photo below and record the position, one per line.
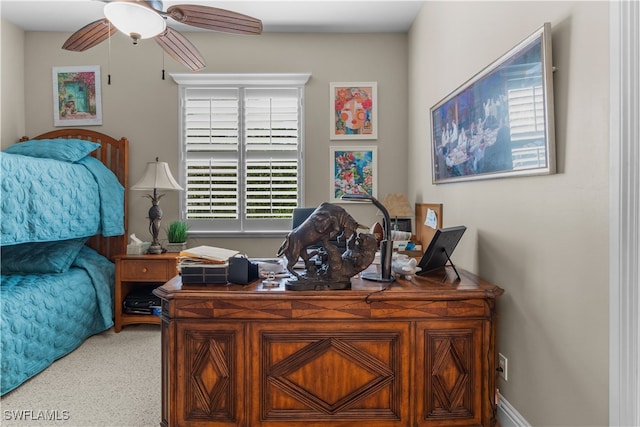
(77, 97)
(354, 170)
(353, 110)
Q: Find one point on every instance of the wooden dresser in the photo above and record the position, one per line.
(421, 353)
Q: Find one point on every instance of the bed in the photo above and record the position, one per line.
(63, 220)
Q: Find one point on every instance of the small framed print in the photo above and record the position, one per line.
(76, 96)
(353, 110)
(354, 170)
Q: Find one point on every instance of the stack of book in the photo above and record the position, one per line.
(205, 265)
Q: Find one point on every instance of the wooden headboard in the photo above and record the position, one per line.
(114, 153)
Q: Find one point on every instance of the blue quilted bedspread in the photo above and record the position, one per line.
(44, 317)
(47, 200)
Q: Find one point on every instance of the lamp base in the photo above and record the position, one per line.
(155, 249)
(374, 277)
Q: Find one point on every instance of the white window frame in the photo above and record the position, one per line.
(238, 81)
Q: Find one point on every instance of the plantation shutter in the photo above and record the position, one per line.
(272, 144)
(241, 157)
(212, 141)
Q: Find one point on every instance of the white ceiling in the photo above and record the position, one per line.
(277, 16)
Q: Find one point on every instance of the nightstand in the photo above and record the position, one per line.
(137, 270)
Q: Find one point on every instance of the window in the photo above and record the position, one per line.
(241, 151)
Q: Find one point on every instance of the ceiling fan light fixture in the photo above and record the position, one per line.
(134, 18)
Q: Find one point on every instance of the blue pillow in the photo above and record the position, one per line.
(41, 257)
(66, 150)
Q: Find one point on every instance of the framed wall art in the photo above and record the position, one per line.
(353, 110)
(354, 170)
(500, 123)
(76, 96)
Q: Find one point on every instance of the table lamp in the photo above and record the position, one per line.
(398, 206)
(386, 245)
(157, 176)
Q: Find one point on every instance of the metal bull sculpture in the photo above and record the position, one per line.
(326, 222)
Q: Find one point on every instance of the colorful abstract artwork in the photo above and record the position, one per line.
(501, 122)
(353, 111)
(76, 96)
(353, 171)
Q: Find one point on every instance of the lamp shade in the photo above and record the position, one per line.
(397, 205)
(135, 19)
(157, 176)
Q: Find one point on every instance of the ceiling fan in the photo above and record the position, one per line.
(146, 19)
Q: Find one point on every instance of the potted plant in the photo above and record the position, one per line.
(177, 236)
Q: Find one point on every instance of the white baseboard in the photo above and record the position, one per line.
(508, 416)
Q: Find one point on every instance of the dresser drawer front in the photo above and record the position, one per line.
(146, 270)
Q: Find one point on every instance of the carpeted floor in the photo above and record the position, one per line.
(110, 380)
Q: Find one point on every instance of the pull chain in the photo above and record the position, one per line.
(109, 60)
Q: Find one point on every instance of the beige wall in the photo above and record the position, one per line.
(141, 106)
(12, 106)
(543, 239)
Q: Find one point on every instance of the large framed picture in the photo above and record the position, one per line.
(354, 170)
(353, 110)
(76, 96)
(500, 123)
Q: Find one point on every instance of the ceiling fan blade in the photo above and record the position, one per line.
(212, 18)
(181, 49)
(90, 35)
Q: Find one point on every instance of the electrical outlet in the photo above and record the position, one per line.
(503, 364)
